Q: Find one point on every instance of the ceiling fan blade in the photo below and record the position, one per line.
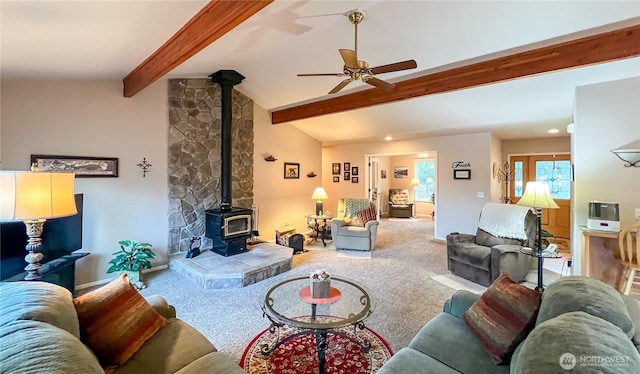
(349, 57)
(340, 86)
(322, 75)
(403, 65)
(379, 83)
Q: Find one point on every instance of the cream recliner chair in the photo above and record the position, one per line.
(348, 232)
(399, 204)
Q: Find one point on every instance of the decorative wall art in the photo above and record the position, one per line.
(336, 179)
(354, 179)
(347, 175)
(400, 172)
(83, 167)
(383, 174)
(335, 168)
(354, 170)
(291, 170)
(347, 166)
(461, 173)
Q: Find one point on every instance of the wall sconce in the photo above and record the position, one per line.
(629, 153)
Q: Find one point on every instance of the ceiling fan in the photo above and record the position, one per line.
(355, 69)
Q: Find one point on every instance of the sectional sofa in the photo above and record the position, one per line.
(582, 325)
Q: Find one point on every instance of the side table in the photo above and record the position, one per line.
(541, 255)
(321, 227)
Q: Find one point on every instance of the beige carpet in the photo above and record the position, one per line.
(457, 283)
(398, 276)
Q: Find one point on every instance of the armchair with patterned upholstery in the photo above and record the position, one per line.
(355, 226)
(399, 203)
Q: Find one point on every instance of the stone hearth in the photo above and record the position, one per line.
(211, 270)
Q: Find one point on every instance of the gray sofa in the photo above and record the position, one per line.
(482, 257)
(39, 333)
(574, 318)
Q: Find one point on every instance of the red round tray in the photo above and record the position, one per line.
(334, 295)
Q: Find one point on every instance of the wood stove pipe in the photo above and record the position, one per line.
(226, 79)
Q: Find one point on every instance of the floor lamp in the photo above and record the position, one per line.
(414, 183)
(537, 196)
(34, 197)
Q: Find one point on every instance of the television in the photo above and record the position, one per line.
(60, 236)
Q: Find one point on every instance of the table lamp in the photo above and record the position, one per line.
(319, 194)
(537, 196)
(34, 197)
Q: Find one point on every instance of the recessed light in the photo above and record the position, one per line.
(553, 131)
(388, 137)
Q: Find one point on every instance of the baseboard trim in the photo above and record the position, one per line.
(107, 280)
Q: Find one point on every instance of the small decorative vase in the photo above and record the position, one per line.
(320, 284)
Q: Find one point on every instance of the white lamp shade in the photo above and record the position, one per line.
(34, 195)
(414, 182)
(319, 194)
(537, 195)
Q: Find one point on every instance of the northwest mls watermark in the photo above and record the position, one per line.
(569, 361)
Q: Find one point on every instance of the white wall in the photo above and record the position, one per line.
(92, 118)
(606, 116)
(458, 206)
(282, 200)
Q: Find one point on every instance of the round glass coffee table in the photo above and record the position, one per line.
(290, 303)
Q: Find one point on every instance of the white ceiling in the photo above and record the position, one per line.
(103, 40)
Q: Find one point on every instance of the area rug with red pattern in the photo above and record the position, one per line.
(347, 352)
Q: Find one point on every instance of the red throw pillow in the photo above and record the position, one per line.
(367, 215)
(503, 316)
(115, 320)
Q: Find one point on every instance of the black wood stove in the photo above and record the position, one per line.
(228, 227)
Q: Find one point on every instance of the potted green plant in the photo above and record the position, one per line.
(131, 259)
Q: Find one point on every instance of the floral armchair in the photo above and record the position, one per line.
(399, 203)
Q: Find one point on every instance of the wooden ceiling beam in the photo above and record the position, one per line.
(214, 20)
(604, 47)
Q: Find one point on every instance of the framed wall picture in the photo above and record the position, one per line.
(347, 166)
(335, 168)
(291, 170)
(461, 173)
(347, 175)
(83, 167)
(336, 178)
(354, 179)
(400, 172)
(354, 170)
(383, 174)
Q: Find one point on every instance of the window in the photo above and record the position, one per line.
(556, 173)
(426, 174)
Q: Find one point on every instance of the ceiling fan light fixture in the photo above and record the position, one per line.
(356, 69)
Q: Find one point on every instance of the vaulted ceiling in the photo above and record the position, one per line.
(463, 83)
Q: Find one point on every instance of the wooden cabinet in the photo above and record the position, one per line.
(601, 256)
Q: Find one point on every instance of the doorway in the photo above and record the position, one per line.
(555, 170)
